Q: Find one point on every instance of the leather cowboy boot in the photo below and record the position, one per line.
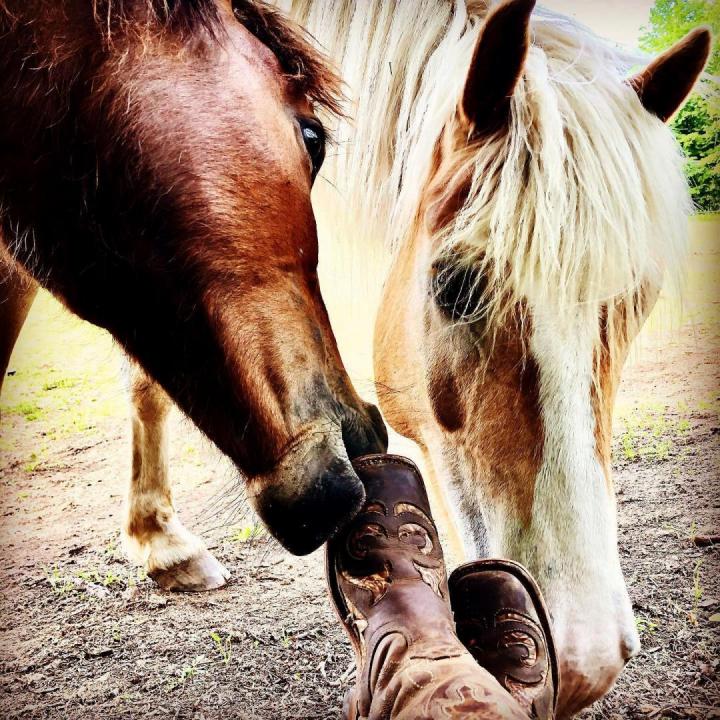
(502, 620)
(387, 580)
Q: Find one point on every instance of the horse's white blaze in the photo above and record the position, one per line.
(572, 543)
(573, 513)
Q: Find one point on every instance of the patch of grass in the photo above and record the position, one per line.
(108, 579)
(706, 217)
(224, 647)
(711, 405)
(651, 432)
(681, 534)
(188, 672)
(66, 378)
(60, 383)
(112, 551)
(645, 626)
(60, 584)
(87, 581)
(246, 533)
(29, 410)
(32, 465)
(36, 459)
(286, 639)
(697, 593)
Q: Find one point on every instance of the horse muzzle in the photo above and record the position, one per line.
(593, 651)
(313, 491)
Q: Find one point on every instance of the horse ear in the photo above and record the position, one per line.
(664, 84)
(496, 65)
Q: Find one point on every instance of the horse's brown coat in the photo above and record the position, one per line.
(155, 179)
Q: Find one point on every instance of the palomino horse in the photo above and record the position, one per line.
(535, 200)
(156, 161)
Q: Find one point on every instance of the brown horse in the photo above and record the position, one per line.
(533, 201)
(156, 162)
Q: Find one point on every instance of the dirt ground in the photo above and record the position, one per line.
(83, 634)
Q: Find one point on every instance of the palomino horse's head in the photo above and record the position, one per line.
(155, 173)
(554, 204)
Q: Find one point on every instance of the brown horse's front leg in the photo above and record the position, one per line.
(154, 536)
(17, 292)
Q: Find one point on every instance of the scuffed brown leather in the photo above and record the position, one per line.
(387, 577)
(501, 619)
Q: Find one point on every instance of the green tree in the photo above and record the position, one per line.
(697, 125)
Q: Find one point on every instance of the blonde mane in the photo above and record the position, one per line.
(582, 205)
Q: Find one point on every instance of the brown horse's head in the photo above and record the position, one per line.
(156, 163)
(553, 206)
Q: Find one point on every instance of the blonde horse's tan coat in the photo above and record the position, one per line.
(533, 203)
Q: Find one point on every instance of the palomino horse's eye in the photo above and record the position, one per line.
(459, 291)
(313, 135)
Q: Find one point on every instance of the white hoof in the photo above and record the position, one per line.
(196, 574)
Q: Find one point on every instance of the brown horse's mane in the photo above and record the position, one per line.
(305, 67)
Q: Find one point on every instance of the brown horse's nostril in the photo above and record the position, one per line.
(304, 518)
(364, 434)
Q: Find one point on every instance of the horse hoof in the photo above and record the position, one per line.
(196, 574)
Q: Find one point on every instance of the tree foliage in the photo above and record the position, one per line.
(697, 125)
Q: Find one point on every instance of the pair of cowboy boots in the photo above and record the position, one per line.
(388, 583)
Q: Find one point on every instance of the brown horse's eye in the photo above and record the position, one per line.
(313, 135)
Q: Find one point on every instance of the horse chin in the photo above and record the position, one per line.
(311, 493)
(579, 690)
(592, 652)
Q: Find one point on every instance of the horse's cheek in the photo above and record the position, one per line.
(445, 397)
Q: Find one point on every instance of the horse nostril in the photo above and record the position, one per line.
(629, 646)
(303, 510)
(381, 433)
(364, 433)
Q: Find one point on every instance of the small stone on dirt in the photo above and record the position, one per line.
(130, 593)
(157, 600)
(34, 678)
(97, 652)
